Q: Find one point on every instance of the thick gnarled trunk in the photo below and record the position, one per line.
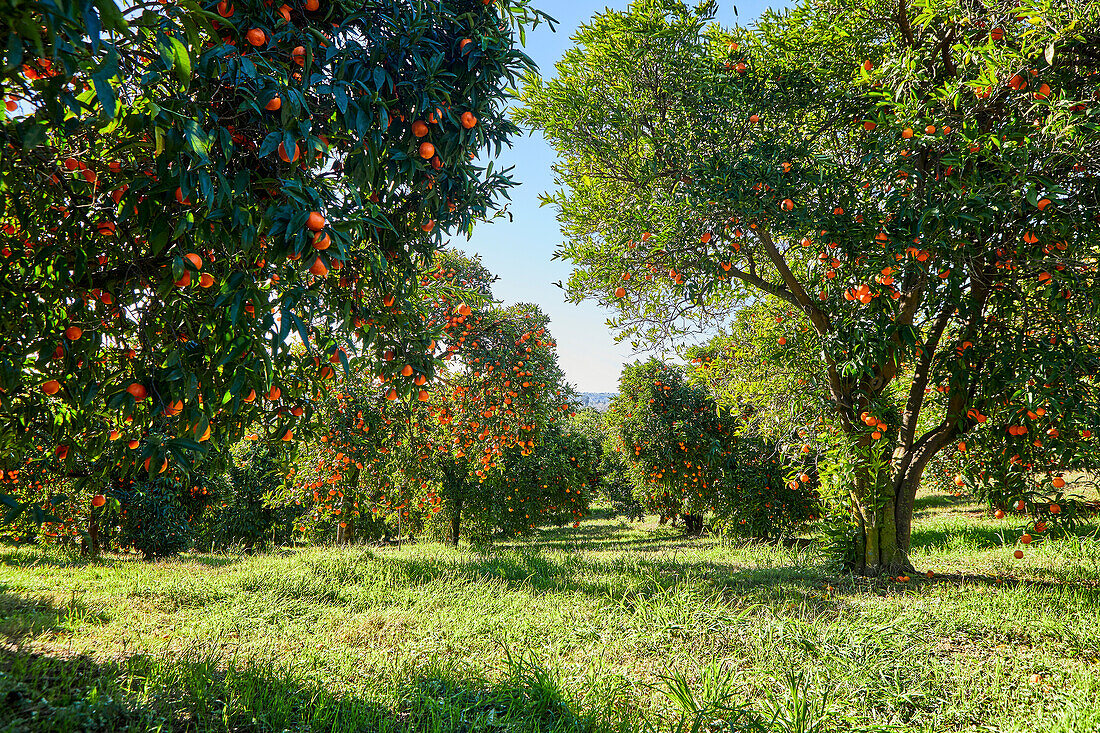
(883, 507)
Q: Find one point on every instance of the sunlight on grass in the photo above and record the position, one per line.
(610, 626)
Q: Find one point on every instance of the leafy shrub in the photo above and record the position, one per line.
(763, 496)
(153, 518)
(246, 514)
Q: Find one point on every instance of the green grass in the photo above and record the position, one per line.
(611, 626)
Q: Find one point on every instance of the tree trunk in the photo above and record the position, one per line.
(693, 523)
(880, 551)
(456, 521)
(93, 534)
(883, 505)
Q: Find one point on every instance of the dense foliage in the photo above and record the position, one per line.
(187, 190)
(683, 456)
(481, 440)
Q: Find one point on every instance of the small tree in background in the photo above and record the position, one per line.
(615, 486)
(494, 390)
(672, 440)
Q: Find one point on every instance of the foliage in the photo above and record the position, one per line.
(919, 187)
(185, 187)
(671, 438)
(614, 483)
(155, 517)
(684, 456)
(246, 514)
(459, 446)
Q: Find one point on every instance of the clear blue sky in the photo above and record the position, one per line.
(519, 251)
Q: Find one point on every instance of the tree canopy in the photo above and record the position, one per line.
(917, 182)
(190, 191)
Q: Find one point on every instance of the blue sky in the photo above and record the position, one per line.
(519, 251)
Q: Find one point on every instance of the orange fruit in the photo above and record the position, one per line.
(206, 280)
(288, 158)
(51, 387)
(194, 259)
(427, 150)
(73, 333)
(274, 393)
(312, 5)
(420, 129)
(620, 292)
(137, 390)
(288, 435)
(274, 104)
(99, 500)
(256, 37)
(299, 55)
(225, 9)
(468, 120)
(321, 241)
(250, 396)
(315, 222)
(318, 268)
(1058, 482)
(1018, 554)
(185, 280)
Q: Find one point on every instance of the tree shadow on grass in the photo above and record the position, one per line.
(22, 617)
(948, 537)
(60, 694)
(32, 556)
(939, 501)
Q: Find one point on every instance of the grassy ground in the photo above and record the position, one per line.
(611, 626)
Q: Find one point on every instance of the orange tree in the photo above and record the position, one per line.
(615, 486)
(684, 457)
(916, 180)
(184, 186)
(484, 400)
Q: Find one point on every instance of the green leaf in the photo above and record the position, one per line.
(181, 61)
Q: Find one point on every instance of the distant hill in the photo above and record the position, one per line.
(598, 400)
